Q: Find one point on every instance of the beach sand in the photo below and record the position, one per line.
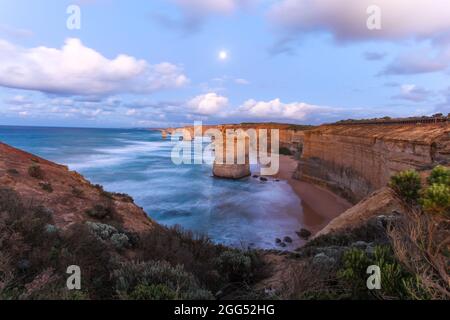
(318, 205)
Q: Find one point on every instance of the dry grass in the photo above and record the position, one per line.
(421, 243)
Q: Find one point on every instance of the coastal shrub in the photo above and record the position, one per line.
(132, 276)
(436, 199)
(123, 196)
(36, 172)
(101, 230)
(152, 292)
(10, 201)
(46, 186)
(79, 246)
(99, 211)
(407, 185)
(439, 175)
(285, 151)
(236, 265)
(120, 241)
(77, 192)
(194, 251)
(396, 282)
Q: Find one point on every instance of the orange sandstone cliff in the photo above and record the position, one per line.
(356, 160)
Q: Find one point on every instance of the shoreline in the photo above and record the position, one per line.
(318, 206)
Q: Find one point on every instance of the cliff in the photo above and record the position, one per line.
(356, 160)
(69, 196)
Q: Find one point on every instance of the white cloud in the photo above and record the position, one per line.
(131, 112)
(413, 93)
(242, 81)
(18, 100)
(275, 109)
(208, 104)
(346, 19)
(78, 70)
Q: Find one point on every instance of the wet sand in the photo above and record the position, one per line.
(318, 205)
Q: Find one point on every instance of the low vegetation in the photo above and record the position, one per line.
(411, 249)
(36, 172)
(116, 264)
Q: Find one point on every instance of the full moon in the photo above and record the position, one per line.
(223, 55)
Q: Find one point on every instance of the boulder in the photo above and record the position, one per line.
(304, 233)
(288, 239)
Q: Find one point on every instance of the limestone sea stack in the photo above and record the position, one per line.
(227, 164)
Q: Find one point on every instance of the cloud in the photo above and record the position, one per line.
(374, 56)
(346, 20)
(78, 70)
(208, 104)
(444, 107)
(195, 12)
(419, 62)
(202, 7)
(275, 109)
(18, 100)
(413, 93)
(241, 81)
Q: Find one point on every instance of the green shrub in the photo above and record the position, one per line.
(237, 265)
(131, 275)
(46, 186)
(439, 175)
(436, 199)
(36, 172)
(152, 292)
(407, 184)
(99, 212)
(120, 241)
(396, 282)
(77, 192)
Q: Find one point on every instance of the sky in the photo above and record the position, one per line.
(165, 63)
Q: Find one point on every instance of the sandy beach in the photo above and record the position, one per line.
(318, 205)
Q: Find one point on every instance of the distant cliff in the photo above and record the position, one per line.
(355, 160)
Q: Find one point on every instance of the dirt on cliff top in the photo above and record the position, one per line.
(421, 133)
(67, 194)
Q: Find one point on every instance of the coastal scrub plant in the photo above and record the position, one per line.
(396, 281)
(407, 184)
(436, 199)
(36, 172)
(439, 175)
(237, 265)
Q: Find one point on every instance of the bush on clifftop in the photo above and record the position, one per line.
(407, 184)
(440, 175)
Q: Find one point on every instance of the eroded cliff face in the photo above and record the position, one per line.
(355, 160)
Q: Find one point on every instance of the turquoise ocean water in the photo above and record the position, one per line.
(138, 162)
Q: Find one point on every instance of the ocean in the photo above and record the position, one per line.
(242, 213)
